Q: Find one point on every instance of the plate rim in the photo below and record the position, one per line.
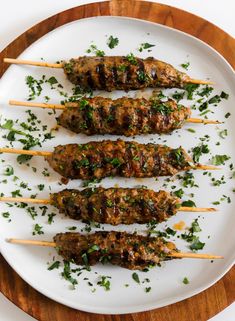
(150, 306)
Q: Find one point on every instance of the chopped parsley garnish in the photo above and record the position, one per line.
(214, 100)
(54, 265)
(112, 42)
(104, 282)
(93, 248)
(185, 280)
(188, 203)
(16, 193)
(197, 245)
(170, 231)
(198, 151)
(142, 76)
(37, 230)
(6, 214)
(178, 95)
(227, 115)
(160, 107)
(135, 277)
(190, 89)
(131, 58)
(179, 193)
(191, 130)
(223, 133)
(66, 274)
(219, 159)
(93, 49)
(188, 179)
(41, 187)
(185, 65)
(148, 289)
(224, 95)
(144, 46)
(206, 91)
(190, 237)
(8, 171)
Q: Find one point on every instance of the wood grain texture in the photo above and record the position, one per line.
(200, 307)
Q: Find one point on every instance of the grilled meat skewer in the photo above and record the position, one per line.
(123, 116)
(118, 72)
(117, 158)
(116, 205)
(131, 251)
(123, 73)
(99, 159)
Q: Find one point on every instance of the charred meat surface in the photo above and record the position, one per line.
(123, 72)
(131, 251)
(123, 116)
(116, 205)
(117, 158)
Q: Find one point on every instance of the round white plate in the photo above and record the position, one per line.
(166, 284)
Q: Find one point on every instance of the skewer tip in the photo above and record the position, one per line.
(199, 82)
(192, 255)
(207, 167)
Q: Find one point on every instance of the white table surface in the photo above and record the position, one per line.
(16, 16)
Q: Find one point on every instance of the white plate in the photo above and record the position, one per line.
(175, 47)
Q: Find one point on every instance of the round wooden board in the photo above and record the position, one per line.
(200, 307)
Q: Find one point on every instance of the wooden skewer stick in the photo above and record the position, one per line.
(25, 200)
(32, 104)
(199, 82)
(56, 106)
(31, 242)
(25, 152)
(174, 254)
(194, 209)
(202, 121)
(32, 63)
(195, 255)
(47, 201)
(44, 153)
(52, 65)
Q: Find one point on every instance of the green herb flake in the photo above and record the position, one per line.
(198, 151)
(37, 230)
(197, 245)
(6, 214)
(188, 203)
(131, 58)
(54, 265)
(227, 115)
(66, 274)
(112, 42)
(41, 187)
(93, 248)
(170, 231)
(224, 95)
(190, 89)
(144, 46)
(185, 65)
(135, 277)
(191, 130)
(219, 159)
(8, 171)
(223, 133)
(104, 282)
(179, 193)
(185, 280)
(148, 289)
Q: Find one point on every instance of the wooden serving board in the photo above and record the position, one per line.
(200, 307)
